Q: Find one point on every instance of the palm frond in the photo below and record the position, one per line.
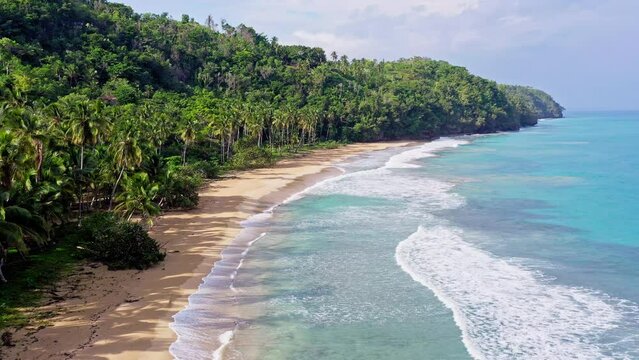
(11, 236)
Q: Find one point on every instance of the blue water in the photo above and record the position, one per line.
(511, 246)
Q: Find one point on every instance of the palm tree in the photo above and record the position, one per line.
(159, 130)
(26, 122)
(138, 197)
(16, 225)
(253, 122)
(86, 125)
(215, 128)
(15, 159)
(279, 122)
(188, 136)
(126, 154)
(54, 190)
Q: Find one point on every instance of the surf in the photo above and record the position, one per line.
(505, 310)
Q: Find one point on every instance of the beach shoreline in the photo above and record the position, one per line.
(127, 314)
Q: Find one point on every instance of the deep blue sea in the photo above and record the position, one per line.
(510, 246)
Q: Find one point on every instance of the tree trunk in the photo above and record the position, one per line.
(222, 147)
(39, 159)
(184, 154)
(81, 188)
(115, 187)
(2, 278)
(82, 157)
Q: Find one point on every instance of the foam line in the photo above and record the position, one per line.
(505, 310)
(224, 339)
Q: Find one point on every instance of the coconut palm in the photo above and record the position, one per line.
(27, 123)
(17, 225)
(86, 125)
(16, 162)
(188, 135)
(127, 154)
(215, 129)
(138, 197)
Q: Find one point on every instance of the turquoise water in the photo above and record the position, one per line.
(511, 246)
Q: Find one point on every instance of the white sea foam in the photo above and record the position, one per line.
(374, 182)
(239, 265)
(200, 321)
(505, 310)
(386, 183)
(224, 339)
(406, 158)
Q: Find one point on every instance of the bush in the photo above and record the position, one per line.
(179, 188)
(331, 144)
(250, 157)
(207, 169)
(118, 244)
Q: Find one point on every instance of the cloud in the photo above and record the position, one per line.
(329, 41)
(447, 8)
(340, 8)
(401, 28)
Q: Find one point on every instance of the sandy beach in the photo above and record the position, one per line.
(126, 314)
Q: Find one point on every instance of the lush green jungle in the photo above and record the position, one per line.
(108, 116)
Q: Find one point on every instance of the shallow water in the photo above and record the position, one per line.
(511, 246)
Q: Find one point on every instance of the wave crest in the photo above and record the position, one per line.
(505, 310)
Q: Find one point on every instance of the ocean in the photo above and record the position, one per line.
(508, 246)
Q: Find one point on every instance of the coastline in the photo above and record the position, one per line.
(126, 314)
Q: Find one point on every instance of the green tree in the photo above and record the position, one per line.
(86, 126)
(127, 154)
(138, 197)
(188, 134)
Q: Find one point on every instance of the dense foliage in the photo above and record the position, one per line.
(117, 243)
(105, 109)
(530, 105)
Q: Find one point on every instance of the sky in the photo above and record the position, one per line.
(583, 52)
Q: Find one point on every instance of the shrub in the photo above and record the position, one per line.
(179, 188)
(118, 244)
(207, 169)
(331, 144)
(250, 157)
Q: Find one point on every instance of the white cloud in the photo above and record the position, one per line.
(329, 41)
(345, 8)
(514, 20)
(447, 7)
(401, 28)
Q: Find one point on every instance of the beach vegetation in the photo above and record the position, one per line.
(118, 243)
